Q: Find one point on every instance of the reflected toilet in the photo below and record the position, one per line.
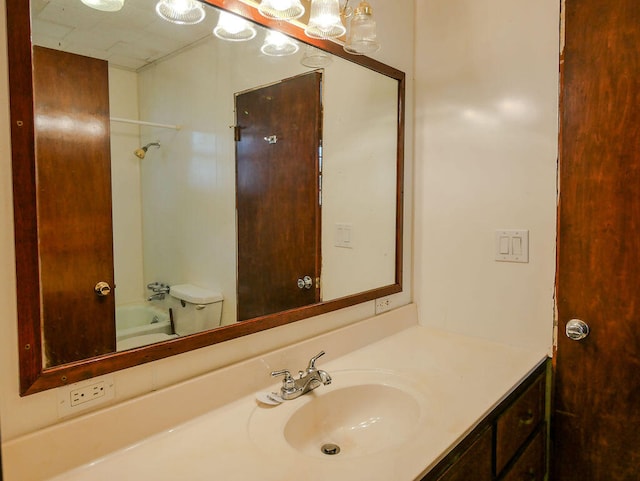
(199, 309)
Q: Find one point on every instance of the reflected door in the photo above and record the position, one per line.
(73, 168)
(278, 137)
(597, 395)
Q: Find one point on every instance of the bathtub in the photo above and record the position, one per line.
(139, 320)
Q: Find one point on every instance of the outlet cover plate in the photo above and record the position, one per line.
(383, 304)
(84, 395)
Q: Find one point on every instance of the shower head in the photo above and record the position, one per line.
(142, 151)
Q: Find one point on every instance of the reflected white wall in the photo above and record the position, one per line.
(125, 181)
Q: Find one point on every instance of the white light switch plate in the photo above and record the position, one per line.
(512, 245)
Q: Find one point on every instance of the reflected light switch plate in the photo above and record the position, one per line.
(344, 236)
(512, 245)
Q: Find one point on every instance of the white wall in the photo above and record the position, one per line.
(23, 415)
(125, 180)
(486, 150)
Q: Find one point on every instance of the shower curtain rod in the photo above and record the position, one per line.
(149, 124)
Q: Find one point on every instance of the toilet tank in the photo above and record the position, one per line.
(200, 309)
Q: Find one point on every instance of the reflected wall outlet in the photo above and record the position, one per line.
(383, 304)
(84, 395)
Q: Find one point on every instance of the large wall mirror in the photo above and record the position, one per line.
(174, 189)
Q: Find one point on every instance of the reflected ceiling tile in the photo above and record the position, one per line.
(133, 16)
(127, 62)
(72, 16)
(92, 39)
(179, 32)
(86, 50)
(140, 51)
(42, 29)
(159, 45)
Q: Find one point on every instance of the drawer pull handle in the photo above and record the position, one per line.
(528, 418)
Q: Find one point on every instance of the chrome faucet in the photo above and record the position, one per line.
(309, 379)
(159, 291)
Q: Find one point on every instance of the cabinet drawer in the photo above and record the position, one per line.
(474, 464)
(531, 465)
(518, 421)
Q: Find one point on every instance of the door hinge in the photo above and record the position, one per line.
(236, 133)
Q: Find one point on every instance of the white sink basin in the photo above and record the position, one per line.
(362, 412)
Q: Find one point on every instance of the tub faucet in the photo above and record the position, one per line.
(159, 290)
(309, 379)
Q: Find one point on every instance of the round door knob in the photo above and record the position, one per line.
(576, 329)
(102, 289)
(305, 283)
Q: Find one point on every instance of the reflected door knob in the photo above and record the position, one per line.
(576, 329)
(305, 283)
(102, 289)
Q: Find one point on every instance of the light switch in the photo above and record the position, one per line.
(512, 245)
(503, 247)
(516, 243)
(343, 237)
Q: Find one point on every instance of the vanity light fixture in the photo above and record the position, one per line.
(181, 12)
(281, 9)
(277, 44)
(234, 28)
(324, 20)
(361, 35)
(105, 5)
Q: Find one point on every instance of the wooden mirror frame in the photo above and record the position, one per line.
(34, 376)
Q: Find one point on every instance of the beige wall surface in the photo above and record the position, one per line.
(21, 416)
(486, 159)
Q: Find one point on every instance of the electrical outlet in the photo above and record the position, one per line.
(383, 304)
(88, 394)
(84, 395)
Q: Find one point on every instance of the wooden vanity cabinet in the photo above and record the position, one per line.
(508, 445)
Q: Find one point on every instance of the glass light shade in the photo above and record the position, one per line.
(234, 28)
(324, 20)
(182, 12)
(362, 36)
(315, 58)
(281, 9)
(277, 44)
(105, 5)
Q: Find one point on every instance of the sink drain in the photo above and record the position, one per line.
(330, 449)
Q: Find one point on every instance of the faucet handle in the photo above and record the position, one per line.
(288, 383)
(286, 372)
(312, 361)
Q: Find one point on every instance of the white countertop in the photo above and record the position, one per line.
(463, 378)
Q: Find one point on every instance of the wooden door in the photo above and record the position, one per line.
(278, 209)
(597, 392)
(73, 169)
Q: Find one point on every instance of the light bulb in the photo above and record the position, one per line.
(324, 20)
(105, 5)
(278, 45)
(234, 28)
(182, 12)
(281, 9)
